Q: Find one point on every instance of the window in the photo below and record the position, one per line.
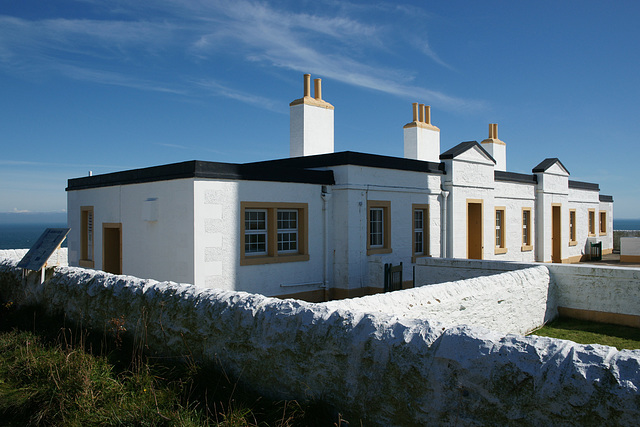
(420, 240)
(287, 230)
(500, 228)
(86, 237)
(603, 222)
(592, 222)
(526, 229)
(379, 227)
(273, 232)
(572, 228)
(255, 231)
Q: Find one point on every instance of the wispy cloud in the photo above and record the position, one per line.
(219, 89)
(297, 42)
(338, 42)
(53, 164)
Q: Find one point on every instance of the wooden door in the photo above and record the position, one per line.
(474, 230)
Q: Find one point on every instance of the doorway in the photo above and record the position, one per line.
(112, 248)
(556, 234)
(474, 229)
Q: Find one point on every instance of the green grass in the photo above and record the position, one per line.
(584, 332)
(53, 374)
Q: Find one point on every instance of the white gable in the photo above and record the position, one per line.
(475, 155)
(557, 169)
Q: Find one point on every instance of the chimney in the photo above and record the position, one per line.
(421, 138)
(496, 148)
(311, 122)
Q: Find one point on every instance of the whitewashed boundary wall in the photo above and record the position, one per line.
(603, 293)
(386, 369)
(58, 259)
(617, 234)
(597, 293)
(510, 302)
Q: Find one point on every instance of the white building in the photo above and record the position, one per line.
(322, 224)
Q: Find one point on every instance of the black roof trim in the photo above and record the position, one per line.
(547, 163)
(357, 159)
(604, 198)
(461, 148)
(515, 177)
(202, 169)
(583, 185)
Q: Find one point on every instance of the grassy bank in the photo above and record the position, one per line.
(583, 332)
(52, 373)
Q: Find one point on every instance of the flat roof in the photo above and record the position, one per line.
(202, 169)
(343, 158)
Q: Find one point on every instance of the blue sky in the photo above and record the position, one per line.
(114, 85)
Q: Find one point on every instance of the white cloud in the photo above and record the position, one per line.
(219, 89)
(332, 43)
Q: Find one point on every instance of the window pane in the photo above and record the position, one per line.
(255, 228)
(418, 218)
(419, 242)
(287, 242)
(499, 228)
(255, 220)
(287, 220)
(255, 243)
(376, 227)
(418, 231)
(525, 227)
(287, 230)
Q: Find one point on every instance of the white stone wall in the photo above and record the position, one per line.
(369, 364)
(516, 301)
(59, 258)
(630, 246)
(585, 287)
(596, 288)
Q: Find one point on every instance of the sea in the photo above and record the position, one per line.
(23, 236)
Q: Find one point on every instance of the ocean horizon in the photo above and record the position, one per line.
(23, 236)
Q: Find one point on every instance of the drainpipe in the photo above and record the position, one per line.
(443, 223)
(326, 196)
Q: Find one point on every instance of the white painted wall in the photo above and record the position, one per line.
(553, 188)
(161, 249)
(606, 239)
(514, 197)
(217, 230)
(353, 268)
(469, 176)
(365, 361)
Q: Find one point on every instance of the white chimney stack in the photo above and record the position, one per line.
(311, 122)
(496, 148)
(421, 138)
